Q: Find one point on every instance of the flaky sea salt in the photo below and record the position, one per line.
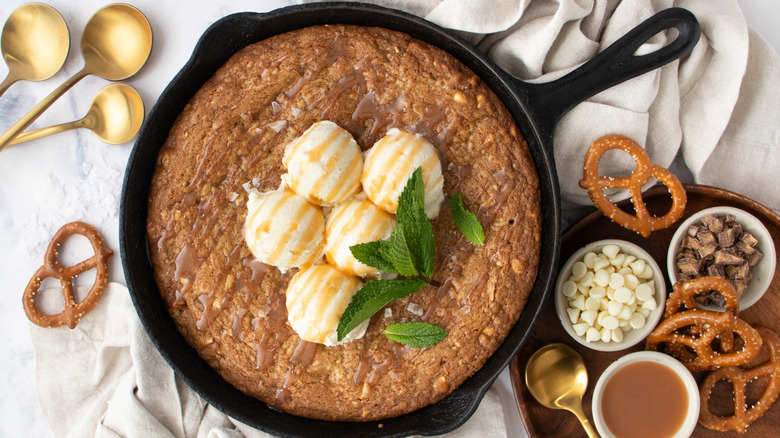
(388, 312)
(415, 309)
(278, 125)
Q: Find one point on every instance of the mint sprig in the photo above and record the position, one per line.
(409, 253)
(466, 221)
(371, 297)
(370, 253)
(415, 334)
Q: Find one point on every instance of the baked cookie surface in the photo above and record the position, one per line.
(231, 137)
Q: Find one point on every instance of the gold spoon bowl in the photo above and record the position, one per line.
(116, 43)
(556, 377)
(35, 42)
(115, 116)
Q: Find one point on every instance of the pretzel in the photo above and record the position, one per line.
(683, 296)
(739, 378)
(643, 223)
(715, 323)
(73, 311)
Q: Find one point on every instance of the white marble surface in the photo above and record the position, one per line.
(74, 176)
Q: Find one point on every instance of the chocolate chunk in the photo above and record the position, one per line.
(688, 265)
(755, 257)
(716, 271)
(708, 243)
(749, 239)
(717, 246)
(727, 237)
(744, 248)
(727, 257)
(713, 223)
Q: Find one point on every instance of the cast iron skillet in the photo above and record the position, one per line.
(536, 108)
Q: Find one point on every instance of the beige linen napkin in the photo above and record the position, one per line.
(105, 378)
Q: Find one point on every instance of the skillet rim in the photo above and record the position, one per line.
(441, 417)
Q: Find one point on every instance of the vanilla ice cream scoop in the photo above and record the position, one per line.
(354, 222)
(316, 299)
(391, 162)
(324, 164)
(284, 230)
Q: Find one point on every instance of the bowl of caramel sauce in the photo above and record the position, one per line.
(646, 394)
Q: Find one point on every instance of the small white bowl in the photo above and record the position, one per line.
(691, 417)
(762, 272)
(633, 336)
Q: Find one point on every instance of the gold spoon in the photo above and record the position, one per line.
(116, 43)
(35, 42)
(556, 377)
(115, 116)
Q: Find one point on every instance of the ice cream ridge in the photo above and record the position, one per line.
(287, 228)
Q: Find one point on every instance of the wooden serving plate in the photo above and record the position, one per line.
(543, 422)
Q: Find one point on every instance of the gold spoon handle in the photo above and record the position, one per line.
(589, 429)
(34, 113)
(7, 83)
(35, 134)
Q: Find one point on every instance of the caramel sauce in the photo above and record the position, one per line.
(644, 400)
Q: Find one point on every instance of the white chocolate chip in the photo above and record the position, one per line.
(614, 308)
(601, 278)
(625, 313)
(589, 259)
(578, 270)
(610, 322)
(628, 260)
(589, 316)
(617, 335)
(601, 262)
(610, 251)
(587, 279)
(644, 292)
(597, 292)
(578, 303)
(606, 334)
(647, 273)
(631, 281)
(637, 320)
(650, 304)
(616, 281)
(638, 267)
(569, 288)
(592, 335)
(580, 328)
(622, 294)
(617, 261)
(574, 314)
(592, 303)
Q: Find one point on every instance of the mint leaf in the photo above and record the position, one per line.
(371, 297)
(415, 225)
(415, 334)
(400, 253)
(466, 221)
(370, 254)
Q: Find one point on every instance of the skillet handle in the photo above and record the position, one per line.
(615, 64)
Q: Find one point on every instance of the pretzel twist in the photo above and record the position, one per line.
(643, 222)
(715, 324)
(683, 297)
(744, 416)
(73, 312)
